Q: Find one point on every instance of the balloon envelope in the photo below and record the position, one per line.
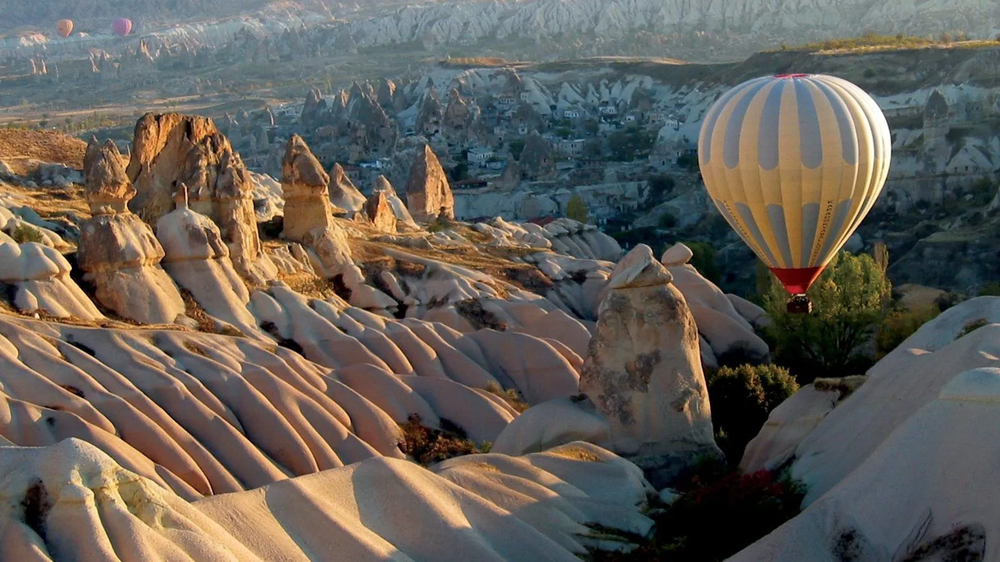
(794, 163)
(64, 27)
(122, 26)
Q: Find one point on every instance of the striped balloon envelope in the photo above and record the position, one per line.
(794, 163)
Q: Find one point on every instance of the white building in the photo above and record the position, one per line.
(480, 156)
(570, 147)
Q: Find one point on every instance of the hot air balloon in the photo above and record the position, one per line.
(64, 28)
(794, 163)
(122, 26)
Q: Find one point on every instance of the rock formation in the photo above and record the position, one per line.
(538, 160)
(304, 187)
(91, 505)
(643, 370)
(343, 194)
(724, 329)
(37, 279)
(404, 220)
(379, 212)
(198, 260)
(172, 149)
(308, 215)
(118, 252)
(428, 195)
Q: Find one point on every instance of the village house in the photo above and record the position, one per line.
(480, 156)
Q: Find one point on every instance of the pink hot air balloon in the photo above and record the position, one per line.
(122, 26)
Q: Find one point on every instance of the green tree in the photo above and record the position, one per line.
(577, 210)
(741, 400)
(460, 171)
(850, 299)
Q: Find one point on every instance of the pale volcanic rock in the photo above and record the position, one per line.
(898, 386)
(378, 211)
(551, 424)
(343, 194)
(404, 220)
(678, 254)
(198, 260)
(88, 507)
(119, 253)
(940, 500)
(305, 190)
(723, 326)
(41, 277)
(643, 371)
(428, 195)
(787, 426)
(108, 188)
(505, 508)
(308, 213)
(171, 149)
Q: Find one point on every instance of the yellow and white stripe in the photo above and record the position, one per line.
(794, 163)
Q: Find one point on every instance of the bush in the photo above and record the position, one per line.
(948, 300)
(719, 514)
(24, 234)
(741, 400)
(510, 396)
(668, 220)
(717, 519)
(972, 326)
(991, 289)
(430, 446)
(900, 325)
(850, 299)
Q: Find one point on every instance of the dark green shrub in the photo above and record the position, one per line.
(668, 220)
(741, 399)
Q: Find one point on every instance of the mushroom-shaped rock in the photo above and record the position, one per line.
(643, 371)
(343, 194)
(428, 195)
(304, 187)
(198, 260)
(119, 253)
(308, 213)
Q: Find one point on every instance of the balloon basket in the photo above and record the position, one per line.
(800, 304)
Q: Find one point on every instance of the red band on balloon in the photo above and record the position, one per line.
(797, 281)
(791, 75)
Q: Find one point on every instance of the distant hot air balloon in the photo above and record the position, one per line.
(64, 28)
(122, 26)
(794, 163)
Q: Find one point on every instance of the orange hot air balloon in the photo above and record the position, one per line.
(64, 27)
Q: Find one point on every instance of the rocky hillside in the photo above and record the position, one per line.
(542, 28)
